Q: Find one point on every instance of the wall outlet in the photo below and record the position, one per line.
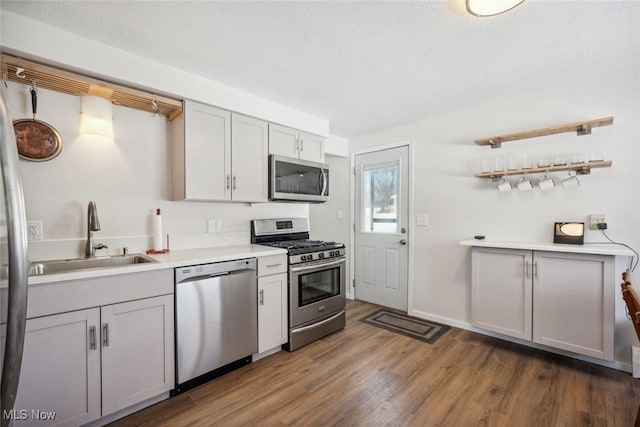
(214, 225)
(595, 219)
(34, 230)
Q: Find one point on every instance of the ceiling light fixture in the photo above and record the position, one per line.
(490, 7)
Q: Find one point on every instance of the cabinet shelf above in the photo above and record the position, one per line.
(580, 168)
(581, 128)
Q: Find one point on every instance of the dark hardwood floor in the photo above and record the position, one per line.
(367, 376)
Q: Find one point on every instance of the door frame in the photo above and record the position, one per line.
(352, 235)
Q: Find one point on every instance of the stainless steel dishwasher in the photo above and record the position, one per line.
(216, 320)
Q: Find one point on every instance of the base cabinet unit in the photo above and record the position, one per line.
(219, 156)
(273, 316)
(60, 375)
(86, 364)
(559, 299)
(501, 294)
(137, 351)
(272, 311)
(289, 142)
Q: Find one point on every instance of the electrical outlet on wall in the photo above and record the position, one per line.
(34, 230)
(595, 219)
(214, 225)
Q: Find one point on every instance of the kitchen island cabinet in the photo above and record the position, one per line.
(219, 155)
(293, 143)
(560, 299)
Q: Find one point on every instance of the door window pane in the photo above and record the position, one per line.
(380, 198)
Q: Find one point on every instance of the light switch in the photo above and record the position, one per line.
(422, 220)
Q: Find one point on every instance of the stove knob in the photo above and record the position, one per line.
(310, 257)
(303, 257)
(321, 255)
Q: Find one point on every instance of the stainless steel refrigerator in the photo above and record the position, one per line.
(13, 257)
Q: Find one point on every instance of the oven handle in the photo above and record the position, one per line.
(318, 266)
(315, 325)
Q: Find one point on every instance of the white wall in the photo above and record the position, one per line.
(460, 206)
(34, 40)
(128, 178)
(330, 220)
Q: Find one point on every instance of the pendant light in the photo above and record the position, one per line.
(490, 7)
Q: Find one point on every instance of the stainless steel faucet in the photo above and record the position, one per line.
(93, 224)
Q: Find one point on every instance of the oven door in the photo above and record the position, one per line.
(316, 289)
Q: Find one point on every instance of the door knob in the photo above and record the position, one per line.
(403, 230)
(403, 242)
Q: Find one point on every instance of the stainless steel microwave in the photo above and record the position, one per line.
(295, 180)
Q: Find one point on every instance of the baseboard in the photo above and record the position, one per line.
(620, 366)
(128, 411)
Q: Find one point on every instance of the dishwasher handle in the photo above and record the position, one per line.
(211, 271)
(207, 276)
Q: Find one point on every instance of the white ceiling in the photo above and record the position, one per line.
(363, 65)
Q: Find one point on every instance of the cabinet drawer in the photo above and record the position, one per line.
(272, 264)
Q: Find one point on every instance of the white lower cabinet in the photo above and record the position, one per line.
(559, 299)
(273, 302)
(137, 351)
(60, 375)
(272, 311)
(86, 364)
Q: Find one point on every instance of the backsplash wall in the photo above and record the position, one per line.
(128, 177)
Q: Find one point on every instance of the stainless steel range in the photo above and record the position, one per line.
(316, 278)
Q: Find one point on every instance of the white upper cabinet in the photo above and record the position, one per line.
(249, 159)
(289, 142)
(219, 156)
(202, 153)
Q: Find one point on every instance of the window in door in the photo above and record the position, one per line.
(380, 204)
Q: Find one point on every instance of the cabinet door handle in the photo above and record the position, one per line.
(234, 182)
(535, 269)
(274, 265)
(261, 296)
(228, 182)
(105, 335)
(526, 269)
(301, 144)
(92, 338)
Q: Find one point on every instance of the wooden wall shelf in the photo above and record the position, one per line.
(581, 128)
(26, 72)
(579, 168)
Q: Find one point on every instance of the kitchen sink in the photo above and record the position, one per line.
(66, 265)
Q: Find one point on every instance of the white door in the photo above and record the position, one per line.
(207, 152)
(311, 147)
(272, 311)
(574, 299)
(381, 237)
(137, 351)
(60, 370)
(249, 159)
(501, 295)
(283, 141)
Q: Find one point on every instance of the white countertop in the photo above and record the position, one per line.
(169, 260)
(587, 248)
